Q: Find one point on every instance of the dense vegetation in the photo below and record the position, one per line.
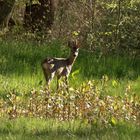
(109, 100)
(104, 25)
(103, 97)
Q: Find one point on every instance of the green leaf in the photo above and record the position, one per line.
(75, 73)
(114, 83)
(113, 121)
(75, 33)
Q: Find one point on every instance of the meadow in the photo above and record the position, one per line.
(112, 103)
(28, 129)
(20, 67)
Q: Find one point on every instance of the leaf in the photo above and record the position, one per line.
(75, 72)
(113, 121)
(75, 33)
(114, 83)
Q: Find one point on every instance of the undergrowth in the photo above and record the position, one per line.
(103, 96)
(86, 102)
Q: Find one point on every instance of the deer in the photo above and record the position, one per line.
(60, 67)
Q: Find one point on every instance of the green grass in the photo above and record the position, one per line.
(37, 129)
(20, 71)
(20, 67)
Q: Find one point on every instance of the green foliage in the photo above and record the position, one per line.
(99, 109)
(108, 25)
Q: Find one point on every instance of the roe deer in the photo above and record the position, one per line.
(60, 67)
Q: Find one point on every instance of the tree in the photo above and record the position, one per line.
(40, 16)
(6, 6)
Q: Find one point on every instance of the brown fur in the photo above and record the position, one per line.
(60, 67)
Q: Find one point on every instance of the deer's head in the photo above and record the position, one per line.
(74, 46)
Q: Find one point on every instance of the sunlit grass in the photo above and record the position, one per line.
(20, 67)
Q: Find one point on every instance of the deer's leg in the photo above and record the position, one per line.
(58, 78)
(47, 73)
(47, 77)
(51, 76)
(65, 80)
(67, 83)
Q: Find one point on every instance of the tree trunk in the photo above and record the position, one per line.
(6, 7)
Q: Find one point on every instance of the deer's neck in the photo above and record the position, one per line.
(71, 60)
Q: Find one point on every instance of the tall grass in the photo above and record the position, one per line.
(20, 65)
(116, 66)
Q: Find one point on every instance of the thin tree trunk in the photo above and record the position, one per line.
(6, 7)
(117, 38)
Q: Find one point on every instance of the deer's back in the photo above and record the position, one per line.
(59, 66)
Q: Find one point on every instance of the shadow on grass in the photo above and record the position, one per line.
(31, 128)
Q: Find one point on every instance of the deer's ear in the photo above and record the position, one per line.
(71, 43)
(77, 43)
